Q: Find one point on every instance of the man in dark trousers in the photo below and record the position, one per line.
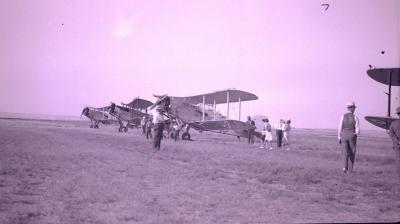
(143, 125)
(279, 132)
(149, 126)
(347, 134)
(394, 133)
(251, 131)
(158, 120)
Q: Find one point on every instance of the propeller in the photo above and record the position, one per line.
(84, 111)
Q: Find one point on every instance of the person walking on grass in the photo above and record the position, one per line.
(394, 133)
(266, 135)
(158, 128)
(286, 130)
(348, 131)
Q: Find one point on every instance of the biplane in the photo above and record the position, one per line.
(191, 112)
(130, 114)
(390, 77)
(97, 115)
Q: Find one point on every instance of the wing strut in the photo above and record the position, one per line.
(227, 101)
(215, 108)
(240, 107)
(389, 93)
(204, 104)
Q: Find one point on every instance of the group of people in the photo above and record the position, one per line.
(155, 124)
(348, 131)
(283, 129)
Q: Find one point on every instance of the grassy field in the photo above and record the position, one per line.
(64, 172)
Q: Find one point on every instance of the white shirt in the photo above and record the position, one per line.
(357, 132)
(157, 117)
(279, 126)
(143, 121)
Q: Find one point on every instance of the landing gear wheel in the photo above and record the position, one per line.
(96, 126)
(185, 136)
(124, 129)
(119, 129)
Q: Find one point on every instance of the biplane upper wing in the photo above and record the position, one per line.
(221, 125)
(385, 75)
(219, 97)
(138, 103)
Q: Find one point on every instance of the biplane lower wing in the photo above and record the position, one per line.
(221, 125)
(228, 127)
(382, 122)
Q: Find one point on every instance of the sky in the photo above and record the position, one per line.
(303, 62)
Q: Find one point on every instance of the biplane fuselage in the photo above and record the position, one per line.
(97, 115)
(186, 111)
(127, 116)
(130, 114)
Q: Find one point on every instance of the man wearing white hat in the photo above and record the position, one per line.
(347, 134)
(158, 119)
(394, 132)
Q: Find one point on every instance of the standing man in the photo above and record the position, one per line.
(251, 131)
(176, 127)
(143, 125)
(149, 126)
(158, 119)
(347, 134)
(279, 132)
(286, 130)
(394, 133)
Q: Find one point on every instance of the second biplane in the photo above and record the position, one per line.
(97, 116)
(192, 113)
(130, 114)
